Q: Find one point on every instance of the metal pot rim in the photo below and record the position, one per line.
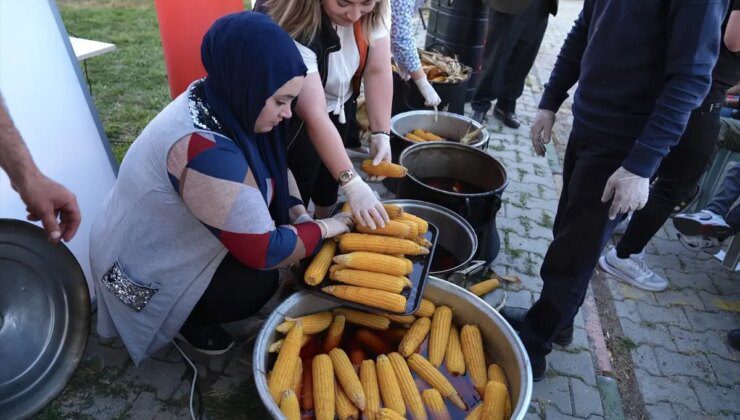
(401, 115)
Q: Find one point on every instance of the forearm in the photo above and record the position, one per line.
(379, 86)
(15, 158)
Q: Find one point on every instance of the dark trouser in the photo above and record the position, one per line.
(677, 176)
(314, 181)
(726, 196)
(581, 229)
(511, 46)
(236, 292)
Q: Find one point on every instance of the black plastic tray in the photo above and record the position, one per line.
(418, 277)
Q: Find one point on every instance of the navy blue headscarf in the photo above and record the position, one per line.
(248, 57)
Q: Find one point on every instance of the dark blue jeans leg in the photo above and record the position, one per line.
(726, 196)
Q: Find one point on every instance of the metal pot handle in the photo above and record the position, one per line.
(459, 277)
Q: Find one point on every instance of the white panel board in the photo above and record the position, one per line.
(50, 104)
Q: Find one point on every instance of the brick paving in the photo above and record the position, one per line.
(683, 367)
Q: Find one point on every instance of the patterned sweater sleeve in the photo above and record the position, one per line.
(213, 179)
(403, 41)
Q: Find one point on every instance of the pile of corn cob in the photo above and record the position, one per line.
(372, 268)
(409, 380)
(418, 135)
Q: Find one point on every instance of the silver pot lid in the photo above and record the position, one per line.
(44, 318)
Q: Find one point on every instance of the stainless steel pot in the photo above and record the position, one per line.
(499, 338)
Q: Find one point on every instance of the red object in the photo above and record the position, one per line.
(182, 24)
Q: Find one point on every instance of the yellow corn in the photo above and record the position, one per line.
(435, 405)
(391, 228)
(454, 360)
(401, 319)
(435, 379)
(409, 391)
(423, 224)
(345, 409)
(371, 261)
(496, 374)
(362, 278)
(427, 135)
(297, 376)
(414, 336)
(484, 287)
(277, 345)
(289, 405)
(394, 211)
(346, 208)
(335, 267)
(494, 401)
(372, 297)
(413, 228)
(334, 335)
(475, 359)
(439, 334)
(426, 308)
(316, 271)
(369, 380)
(383, 244)
(311, 324)
(409, 263)
(323, 387)
(413, 137)
(365, 319)
(422, 241)
(347, 377)
(384, 168)
(475, 412)
(388, 414)
(389, 387)
(281, 377)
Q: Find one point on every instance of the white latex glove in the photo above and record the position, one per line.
(366, 208)
(427, 91)
(335, 225)
(380, 150)
(541, 130)
(630, 192)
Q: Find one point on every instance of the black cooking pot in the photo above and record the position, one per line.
(462, 163)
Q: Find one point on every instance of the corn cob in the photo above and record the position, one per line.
(311, 324)
(496, 374)
(345, 409)
(289, 405)
(435, 379)
(388, 414)
(413, 137)
(475, 360)
(394, 211)
(281, 377)
(365, 319)
(401, 319)
(427, 135)
(392, 228)
(409, 391)
(435, 405)
(347, 377)
(409, 263)
(307, 394)
(277, 345)
(426, 308)
(356, 356)
(372, 341)
(494, 401)
(423, 224)
(474, 414)
(369, 380)
(297, 377)
(422, 241)
(371, 261)
(382, 244)
(414, 336)
(316, 271)
(439, 335)
(346, 208)
(413, 228)
(323, 387)
(389, 387)
(334, 335)
(334, 268)
(484, 287)
(380, 281)
(372, 297)
(384, 168)
(454, 360)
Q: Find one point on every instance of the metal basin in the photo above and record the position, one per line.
(499, 338)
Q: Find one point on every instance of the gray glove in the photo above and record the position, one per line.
(541, 130)
(630, 192)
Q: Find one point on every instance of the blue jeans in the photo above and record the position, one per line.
(726, 196)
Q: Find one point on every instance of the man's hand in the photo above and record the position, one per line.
(630, 192)
(45, 201)
(541, 130)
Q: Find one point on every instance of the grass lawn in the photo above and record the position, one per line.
(129, 85)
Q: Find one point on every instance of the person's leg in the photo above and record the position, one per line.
(730, 134)
(304, 163)
(727, 195)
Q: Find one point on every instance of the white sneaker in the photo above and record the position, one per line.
(632, 270)
(699, 243)
(704, 223)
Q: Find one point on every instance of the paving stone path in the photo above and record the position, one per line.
(676, 338)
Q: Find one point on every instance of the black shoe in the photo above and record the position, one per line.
(479, 116)
(508, 118)
(211, 339)
(539, 367)
(515, 317)
(733, 339)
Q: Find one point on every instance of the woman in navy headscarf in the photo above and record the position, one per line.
(204, 209)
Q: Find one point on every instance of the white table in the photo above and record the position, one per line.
(86, 48)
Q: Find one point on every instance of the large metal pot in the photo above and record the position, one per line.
(499, 338)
